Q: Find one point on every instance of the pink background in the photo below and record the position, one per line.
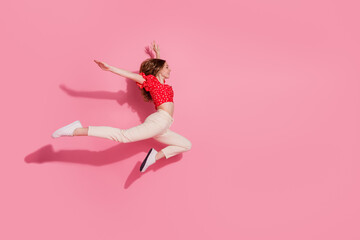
(267, 91)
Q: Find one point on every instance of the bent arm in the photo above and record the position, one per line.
(127, 74)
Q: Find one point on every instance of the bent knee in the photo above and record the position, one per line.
(188, 145)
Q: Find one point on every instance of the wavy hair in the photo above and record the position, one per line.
(150, 66)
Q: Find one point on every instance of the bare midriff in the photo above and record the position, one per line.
(168, 107)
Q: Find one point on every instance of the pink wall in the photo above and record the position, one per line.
(267, 91)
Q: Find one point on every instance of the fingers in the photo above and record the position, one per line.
(100, 63)
(154, 44)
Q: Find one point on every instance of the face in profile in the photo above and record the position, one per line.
(165, 71)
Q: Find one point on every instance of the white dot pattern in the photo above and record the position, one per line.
(160, 93)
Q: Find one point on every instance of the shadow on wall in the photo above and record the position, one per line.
(132, 96)
(100, 158)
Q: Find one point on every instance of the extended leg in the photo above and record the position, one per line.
(146, 130)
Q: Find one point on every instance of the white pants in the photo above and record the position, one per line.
(155, 126)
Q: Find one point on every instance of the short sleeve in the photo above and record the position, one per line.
(148, 83)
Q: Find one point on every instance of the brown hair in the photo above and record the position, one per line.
(150, 66)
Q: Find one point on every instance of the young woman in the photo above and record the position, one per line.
(151, 81)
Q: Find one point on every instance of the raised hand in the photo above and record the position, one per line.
(156, 48)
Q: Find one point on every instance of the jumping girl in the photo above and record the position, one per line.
(151, 81)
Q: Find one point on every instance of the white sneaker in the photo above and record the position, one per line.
(68, 130)
(149, 160)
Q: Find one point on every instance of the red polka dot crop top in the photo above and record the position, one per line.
(160, 93)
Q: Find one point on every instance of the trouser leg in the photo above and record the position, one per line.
(146, 130)
(177, 143)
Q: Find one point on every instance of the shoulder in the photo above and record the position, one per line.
(141, 78)
(148, 78)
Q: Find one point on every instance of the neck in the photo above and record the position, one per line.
(161, 78)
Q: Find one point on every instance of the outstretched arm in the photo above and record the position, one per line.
(124, 73)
